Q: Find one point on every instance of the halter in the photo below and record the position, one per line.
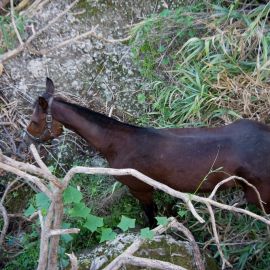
(48, 128)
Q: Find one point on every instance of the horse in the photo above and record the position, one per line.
(177, 157)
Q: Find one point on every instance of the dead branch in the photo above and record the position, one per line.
(9, 186)
(64, 231)
(33, 179)
(73, 261)
(14, 23)
(20, 48)
(187, 198)
(144, 262)
(196, 251)
(5, 226)
(240, 179)
(214, 228)
(30, 169)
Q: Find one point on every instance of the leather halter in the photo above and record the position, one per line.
(48, 128)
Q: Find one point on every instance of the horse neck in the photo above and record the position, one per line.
(99, 134)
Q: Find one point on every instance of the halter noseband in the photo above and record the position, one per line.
(48, 128)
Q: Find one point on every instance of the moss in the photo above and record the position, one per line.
(168, 252)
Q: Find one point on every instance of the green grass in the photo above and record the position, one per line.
(8, 38)
(196, 63)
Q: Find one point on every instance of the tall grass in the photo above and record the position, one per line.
(203, 67)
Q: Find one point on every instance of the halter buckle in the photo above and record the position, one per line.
(49, 118)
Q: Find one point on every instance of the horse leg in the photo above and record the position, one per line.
(149, 207)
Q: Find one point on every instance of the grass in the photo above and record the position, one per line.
(204, 67)
(8, 39)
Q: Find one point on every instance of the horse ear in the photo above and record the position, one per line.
(49, 86)
(43, 103)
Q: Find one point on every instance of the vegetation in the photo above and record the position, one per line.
(8, 39)
(202, 64)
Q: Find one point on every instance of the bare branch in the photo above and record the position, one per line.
(43, 167)
(14, 23)
(9, 186)
(30, 169)
(214, 228)
(64, 231)
(33, 179)
(73, 261)
(183, 196)
(144, 262)
(240, 179)
(6, 223)
(19, 49)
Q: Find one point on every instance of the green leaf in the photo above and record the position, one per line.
(126, 223)
(146, 233)
(93, 222)
(107, 234)
(42, 201)
(162, 221)
(71, 195)
(29, 211)
(79, 210)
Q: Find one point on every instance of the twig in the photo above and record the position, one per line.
(214, 228)
(91, 33)
(20, 48)
(73, 261)
(14, 23)
(5, 226)
(32, 179)
(196, 251)
(9, 186)
(64, 231)
(240, 179)
(153, 264)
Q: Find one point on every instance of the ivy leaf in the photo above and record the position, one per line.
(162, 221)
(71, 195)
(146, 233)
(42, 201)
(107, 234)
(29, 211)
(126, 223)
(79, 210)
(93, 222)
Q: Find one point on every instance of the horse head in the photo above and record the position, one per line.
(42, 126)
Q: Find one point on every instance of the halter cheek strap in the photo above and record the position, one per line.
(49, 121)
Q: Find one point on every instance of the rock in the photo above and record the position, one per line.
(162, 247)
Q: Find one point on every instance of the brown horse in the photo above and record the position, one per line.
(179, 158)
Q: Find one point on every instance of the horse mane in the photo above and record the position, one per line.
(89, 114)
